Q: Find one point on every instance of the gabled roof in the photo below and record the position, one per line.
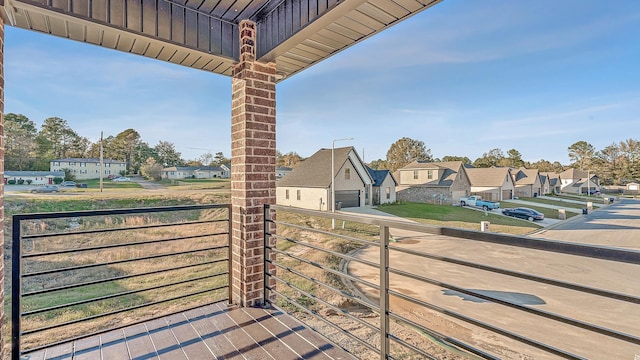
(316, 170)
(525, 176)
(181, 168)
(209, 168)
(451, 169)
(378, 176)
(574, 174)
(493, 176)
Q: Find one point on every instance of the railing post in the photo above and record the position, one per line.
(230, 253)
(267, 255)
(384, 292)
(16, 287)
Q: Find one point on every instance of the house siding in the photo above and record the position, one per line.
(310, 198)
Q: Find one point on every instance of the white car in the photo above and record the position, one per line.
(121, 179)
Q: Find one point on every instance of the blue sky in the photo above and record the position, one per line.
(464, 77)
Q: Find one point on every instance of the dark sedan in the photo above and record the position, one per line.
(524, 213)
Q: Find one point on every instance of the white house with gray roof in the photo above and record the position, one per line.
(309, 184)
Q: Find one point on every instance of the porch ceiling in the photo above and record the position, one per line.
(203, 34)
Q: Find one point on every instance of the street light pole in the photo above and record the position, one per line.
(333, 175)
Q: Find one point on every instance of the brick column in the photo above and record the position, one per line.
(253, 161)
(2, 335)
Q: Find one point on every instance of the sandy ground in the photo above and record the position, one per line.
(620, 229)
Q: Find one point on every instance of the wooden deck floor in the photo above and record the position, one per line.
(211, 332)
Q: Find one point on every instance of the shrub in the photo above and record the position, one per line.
(11, 182)
(58, 180)
(20, 181)
(29, 181)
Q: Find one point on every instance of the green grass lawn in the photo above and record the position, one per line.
(108, 184)
(460, 217)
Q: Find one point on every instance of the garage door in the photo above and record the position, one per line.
(506, 194)
(349, 198)
(457, 195)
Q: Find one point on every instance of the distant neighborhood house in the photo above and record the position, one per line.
(309, 184)
(383, 187)
(492, 184)
(575, 181)
(527, 182)
(193, 172)
(433, 182)
(32, 177)
(83, 169)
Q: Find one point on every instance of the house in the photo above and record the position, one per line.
(383, 187)
(193, 172)
(309, 184)
(433, 182)
(575, 181)
(33, 177)
(226, 168)
(83, 169)
(493, 184)
(527, 182)
(281, 171)
(553, 184)
(632, 186)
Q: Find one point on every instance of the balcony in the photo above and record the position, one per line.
(157, 283)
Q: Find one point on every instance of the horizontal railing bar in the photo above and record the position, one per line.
(327, 286)
(312, 296)
(120, 294)
(87, 213)
(100, 332)
(562, 284)
(115, 312)
(116, 278)
(328, 233)
(412, 347)
(483, 325)
(327, 251)
(549, 315)
(439, 336)
(141, 227)
(115, 246)
(79, 267)
(591, 251)
(320, 266)
(334, 326)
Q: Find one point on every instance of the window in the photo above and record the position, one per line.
(286, 194)
(72, 164)
(56, 163)
(107, 165)
(430, 174)
(388, 193)
(415, 174)
(83, 164)
(347, 174)
(298, 194)
(83, 171)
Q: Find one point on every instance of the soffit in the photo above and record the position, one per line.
(203, 34)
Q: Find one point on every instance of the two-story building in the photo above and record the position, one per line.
(84, 169)
(433, 182)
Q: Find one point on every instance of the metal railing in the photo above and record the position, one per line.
(81, 273)
(426, 290)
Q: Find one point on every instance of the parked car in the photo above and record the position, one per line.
(112, 176)
(477, 201)
(45, 189)
(121, 179)
(68, 184)
(524, 213)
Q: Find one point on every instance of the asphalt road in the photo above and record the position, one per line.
(616, 225)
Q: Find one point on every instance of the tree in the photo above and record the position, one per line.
(219, 159)
(609, 163)
(406, 150)
(514, 159)
(57, 140)
(124, 145)
(489, 159)
(290, 159)
(151, 170)
(378, 164)
(581, 153)
(20, 145)
(464, 159)
(206, 159)
(167, 154)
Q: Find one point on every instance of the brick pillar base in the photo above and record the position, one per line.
(2, 335)
(253, 161)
